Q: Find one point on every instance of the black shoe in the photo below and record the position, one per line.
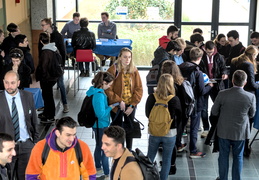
(41, 116)
(82, 74)
(172, 170)
(87, 73)
(47, 121)
(247, 152)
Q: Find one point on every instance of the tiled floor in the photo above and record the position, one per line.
(187, 169)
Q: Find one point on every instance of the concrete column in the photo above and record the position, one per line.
(40, 9)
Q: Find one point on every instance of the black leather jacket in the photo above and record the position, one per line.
(219, 67)
(83, 39)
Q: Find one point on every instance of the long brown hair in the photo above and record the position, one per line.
(131, 68)
(165, 86)
(247, 56)
(100, 77)
(171, 67)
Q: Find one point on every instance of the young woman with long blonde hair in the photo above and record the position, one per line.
(126, 90)
(165, 87)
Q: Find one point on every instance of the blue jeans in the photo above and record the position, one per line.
(60, 84)
(195, 124)
(223, 160)
(99, 157)
(168, 146)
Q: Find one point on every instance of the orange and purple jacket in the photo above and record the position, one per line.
(60, 165)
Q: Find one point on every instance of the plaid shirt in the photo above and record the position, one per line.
(126, 94)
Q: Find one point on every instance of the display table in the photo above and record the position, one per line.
(108, 47)
(37, 96)
(111, 47)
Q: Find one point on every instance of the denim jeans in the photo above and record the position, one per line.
(168, 146)
(223, 160)
(60, 84)
(195, 124)
(99, 157)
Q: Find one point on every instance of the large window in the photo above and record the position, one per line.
(146, 21)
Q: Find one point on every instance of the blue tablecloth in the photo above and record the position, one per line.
(108, 47)
(37, 96)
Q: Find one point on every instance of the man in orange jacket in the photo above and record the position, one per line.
(62, 161)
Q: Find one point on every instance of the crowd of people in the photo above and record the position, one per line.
(215, 70)
(232, 86)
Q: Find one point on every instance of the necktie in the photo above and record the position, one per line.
(15, 119)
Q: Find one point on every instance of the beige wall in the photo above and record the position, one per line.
(16, 12)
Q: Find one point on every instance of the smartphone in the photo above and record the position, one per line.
(116, 104)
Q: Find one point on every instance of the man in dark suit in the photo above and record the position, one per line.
(18, 118)
(234, 107)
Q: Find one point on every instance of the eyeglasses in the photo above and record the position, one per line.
(15, 55)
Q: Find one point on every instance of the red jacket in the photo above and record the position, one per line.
(163, 41)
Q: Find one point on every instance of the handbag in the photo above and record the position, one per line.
(132, 128)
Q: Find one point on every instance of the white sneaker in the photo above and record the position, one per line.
(99, 173)
(204, 134)
(66, 109)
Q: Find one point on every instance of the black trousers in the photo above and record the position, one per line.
(131, 117)
(20, 161)
(47, 95)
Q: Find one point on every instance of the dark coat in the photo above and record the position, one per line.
(248, 67)
(24, 73)
(187, 50)
(42, 72)
(199, 88)
(28, 59)
(83, 39)
(58, 39)
(223, 50)
(219, 67)
(235, 51)
(6, 125)
(6, 168)
(7, 45)
(160, 55)
(174, 107)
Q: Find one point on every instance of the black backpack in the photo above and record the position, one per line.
(152, 76)
(56, 69)
(46, 149)
(86, 117)
(149, 169)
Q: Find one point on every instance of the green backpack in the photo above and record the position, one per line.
(160, 119)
